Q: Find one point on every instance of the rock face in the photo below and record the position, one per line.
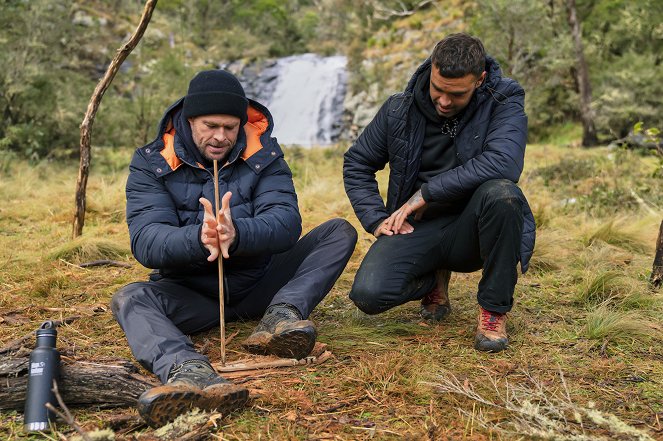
(305, 94)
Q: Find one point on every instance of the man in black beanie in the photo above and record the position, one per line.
(269, 271)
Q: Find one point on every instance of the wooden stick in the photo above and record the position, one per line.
(222, 319)
(282, 362)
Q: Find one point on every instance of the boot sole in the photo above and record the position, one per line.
(257, 343)
(292, 343)
(484, 344)
(440, 314)
(162, 405)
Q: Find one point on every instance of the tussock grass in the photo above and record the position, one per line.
(608, 325)
(602, 286)
(603, 257)
(615, 233)
(85, 249)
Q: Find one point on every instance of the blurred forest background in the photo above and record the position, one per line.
(52, 54)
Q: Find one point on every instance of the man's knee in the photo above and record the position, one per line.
(367, 295)
(501, 193)
(341, 231)
(123, 299)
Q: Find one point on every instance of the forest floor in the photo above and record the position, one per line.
(585, 359)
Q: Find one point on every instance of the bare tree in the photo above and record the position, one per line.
(582, 76)
(93, 106)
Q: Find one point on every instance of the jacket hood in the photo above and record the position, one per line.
(258, 113)
(493, 77)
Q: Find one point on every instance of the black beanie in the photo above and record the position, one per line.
(214, 92)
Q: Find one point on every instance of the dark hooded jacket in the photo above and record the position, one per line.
(489, 144)
(167, 177)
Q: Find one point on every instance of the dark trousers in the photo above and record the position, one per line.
(157, 315)
(486, 234)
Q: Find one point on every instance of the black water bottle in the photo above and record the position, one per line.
(44, 367)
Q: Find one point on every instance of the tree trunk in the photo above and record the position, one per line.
(109, 383)
(582, 74)
(93, 106)
(656, 278)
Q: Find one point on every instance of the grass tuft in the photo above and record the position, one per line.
(609, 325)
(84, 249)
(613, 234)
(599, 287)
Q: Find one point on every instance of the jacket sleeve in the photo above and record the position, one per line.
(276, 224)
(502, 154)
(363, 159)
(157, 240)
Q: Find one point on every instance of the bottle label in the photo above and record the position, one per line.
(37, 368)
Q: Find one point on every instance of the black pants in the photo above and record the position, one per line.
(157, 315)
(487, 234)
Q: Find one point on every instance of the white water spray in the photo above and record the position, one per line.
(307, 102)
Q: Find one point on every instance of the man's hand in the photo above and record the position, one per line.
(385, 229)
(224, 226)
(217, 234)
(208, 233)
(397, 223)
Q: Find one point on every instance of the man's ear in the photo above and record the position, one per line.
(481, 79)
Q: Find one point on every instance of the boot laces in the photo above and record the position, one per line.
(491, 320)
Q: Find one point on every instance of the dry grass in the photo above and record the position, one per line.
(584, 313)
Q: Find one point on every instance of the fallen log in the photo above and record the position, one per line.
(103, 384)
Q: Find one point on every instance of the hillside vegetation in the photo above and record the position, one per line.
(585, 360)
(53, 53)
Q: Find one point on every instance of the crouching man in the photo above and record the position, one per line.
(455, 144)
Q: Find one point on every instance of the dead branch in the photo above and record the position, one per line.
(65, 414)
(656, 278)
(104, 263)
(109, 383)
(93, 106)
(282, 362)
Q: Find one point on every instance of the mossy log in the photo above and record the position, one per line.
(103, 383)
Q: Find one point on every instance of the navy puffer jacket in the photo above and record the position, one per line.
(490, 144)
(165, 216)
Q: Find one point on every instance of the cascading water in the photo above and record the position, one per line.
(307, 101)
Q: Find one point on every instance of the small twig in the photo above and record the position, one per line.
(105, 262)
(66, 415)
(231, 336)
(70, 264)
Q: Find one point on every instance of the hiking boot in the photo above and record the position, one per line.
(282, 332)
(491, 332)
(192, 384)
(435, 305)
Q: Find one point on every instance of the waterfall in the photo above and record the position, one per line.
(307, 100)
